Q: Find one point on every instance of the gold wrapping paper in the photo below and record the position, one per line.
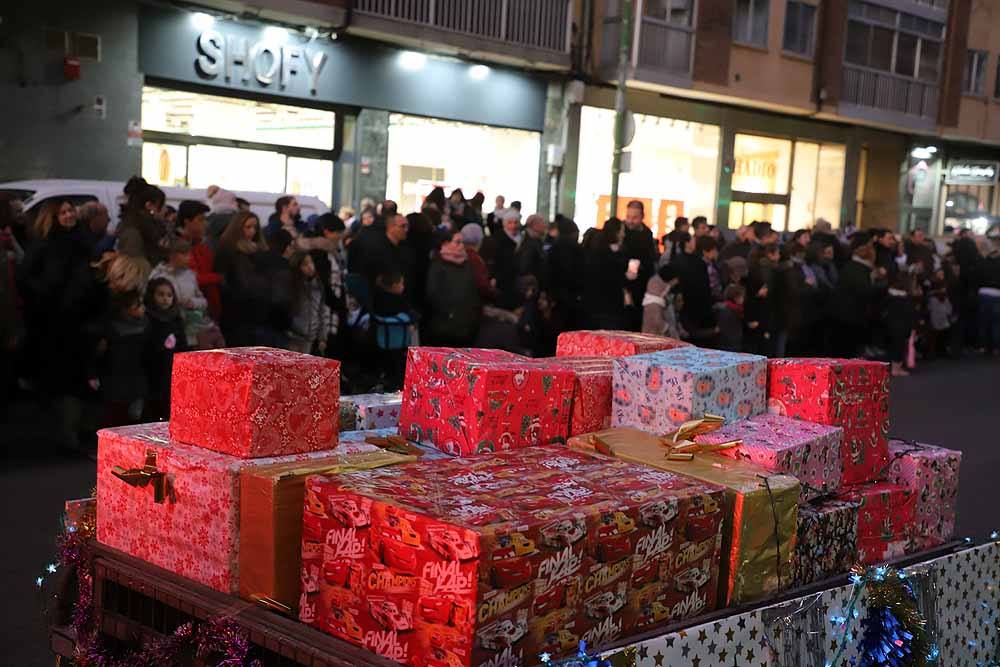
(271, 502)
(750, 544)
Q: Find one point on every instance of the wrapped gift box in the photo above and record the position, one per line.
(494, 559)
(850, 393)
(370, 411)
(827, 542)
(885, 519)
(931, 474)
(179, 507)
(255, 401)
(658, 392)
(603, 343)
(809, 452)
(467, 401)
(591, 393)
(753, 564)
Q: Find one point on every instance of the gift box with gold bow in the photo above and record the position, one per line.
(760, 506)
(182, 508)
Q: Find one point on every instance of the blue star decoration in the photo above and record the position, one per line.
(51, 568)
(38, 581)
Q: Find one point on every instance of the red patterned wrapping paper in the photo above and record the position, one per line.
(931, 473)
(604, 343)
(850, 393)
(808, 451)
(255, 401)
(885, 519)
(492, 560)
(468, 401)
(591, 393)
(195, 531)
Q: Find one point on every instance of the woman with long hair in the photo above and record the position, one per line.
(604, 280)
(142, 232)
(56, 213)
(242, 283)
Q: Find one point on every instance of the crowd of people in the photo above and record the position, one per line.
(90, 319)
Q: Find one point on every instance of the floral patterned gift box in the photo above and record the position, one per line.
(931, 473)
(850, 393)
(658, 392)
(810, 452)
(255, 401)
(604, 343)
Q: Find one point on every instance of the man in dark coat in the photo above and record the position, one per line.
(698, 315)
(500, 254)
(638, 245)
(531, 258)
(855, 300)
(388, 254)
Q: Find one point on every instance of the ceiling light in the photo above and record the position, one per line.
(932, 149)
(411, 60)
(949, 203)
(202, 21)
(479, 72)
(921, 153)
(276, 34)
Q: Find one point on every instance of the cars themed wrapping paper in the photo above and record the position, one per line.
(492, 560)
(885, 520)
(604, 343)
(370, 411)
(850, 393)
(470, 401)
(591, 393)
(827, 543)
(194, 532)
(756, 552)
(808, 451)
(931, 474)
(659, 391)
(255, 401)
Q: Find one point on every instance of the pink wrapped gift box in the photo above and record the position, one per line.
(255, 401)
(591, 393)
(605, 343)
(931, 473)
(807, 451)
(194, 531)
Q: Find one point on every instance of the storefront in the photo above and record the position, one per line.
(969, 195)
(254, 107)
(732, 166)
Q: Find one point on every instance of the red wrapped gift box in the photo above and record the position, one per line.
(591, 393)
(604, 343)
(494, 559)
(178, 506)
(467, 401)
(255, 401)
(931, 473)
(885, 519)
(850, 393)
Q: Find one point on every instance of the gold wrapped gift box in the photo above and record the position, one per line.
(271, 502)
(758, 537)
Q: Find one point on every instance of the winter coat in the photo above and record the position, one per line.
(604, 289)
(532, 261)
(123, 369)
(697, 293)
(639, 244)
(209, 282)
(245, 292)
(988, 271)
(311, 315)
(855, 298)
(185, 282)
(501, 256)
(658, 315)
(141, 235)
(730, 323)
(160, 351)
(453, 300)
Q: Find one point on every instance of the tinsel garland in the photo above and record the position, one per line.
(221, 642)
(581, 659)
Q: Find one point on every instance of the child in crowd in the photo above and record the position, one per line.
(899, 318)
(729, 314)
(393, 327)
(199, 330)
(311, 315)
(118, 369)
(941, 316)
(166, 338)
(658, 313)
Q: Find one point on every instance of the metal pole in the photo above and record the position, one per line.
(624, 50)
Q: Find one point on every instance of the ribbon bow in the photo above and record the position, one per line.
(681, 445)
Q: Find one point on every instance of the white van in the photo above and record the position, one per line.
(34, 194)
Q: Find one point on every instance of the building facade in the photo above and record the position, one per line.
(870, 112)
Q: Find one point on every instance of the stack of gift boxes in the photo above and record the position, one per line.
(501, 507)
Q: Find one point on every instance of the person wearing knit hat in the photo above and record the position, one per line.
(472, 235)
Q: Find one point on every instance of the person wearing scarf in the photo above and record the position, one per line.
(452, 295)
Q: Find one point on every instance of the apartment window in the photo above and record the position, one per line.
(975, 72)
(677, 12)
(892, 41)
(800, 21)
(750, 22)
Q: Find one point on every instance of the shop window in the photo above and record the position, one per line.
(762, 164)
(674, 171)
(424, 153)
(745, 213)
(800, 22)
(237, 168)
(164, 164)
(305, 176)
(750, 22)
(973, 81)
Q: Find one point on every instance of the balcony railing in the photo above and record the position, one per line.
(659, 47)
(542, 24)
(883, 91)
